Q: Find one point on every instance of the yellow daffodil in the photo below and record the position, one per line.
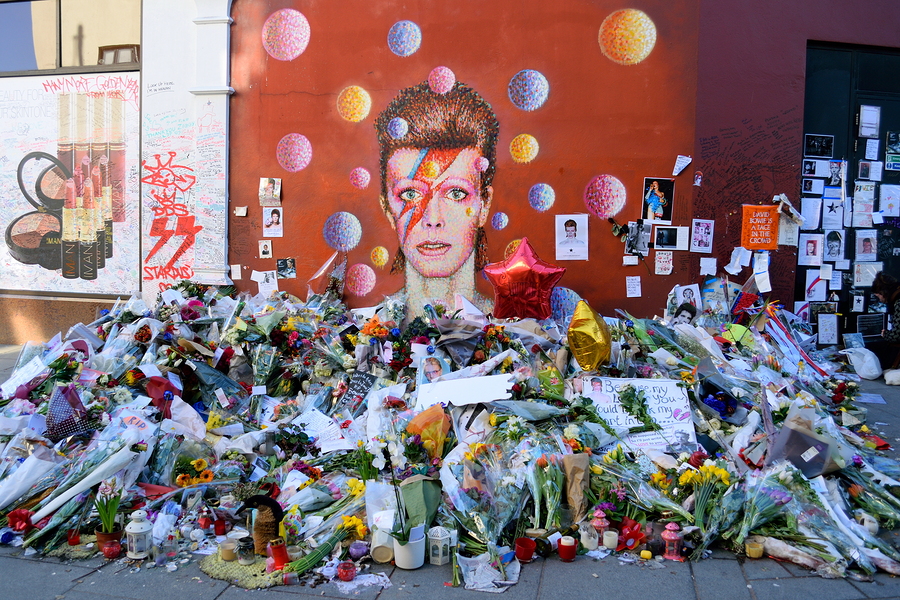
(493, 419)
(596, 469)
(357, 488)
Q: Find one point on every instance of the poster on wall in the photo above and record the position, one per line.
(572, 237)
(659, 194)
(73, 142)
(818, 145)
(759, 229)
(702, 235)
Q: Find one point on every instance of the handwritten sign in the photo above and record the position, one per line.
(666, 401)
(759, 230)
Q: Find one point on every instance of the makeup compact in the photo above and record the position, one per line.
(34, 238)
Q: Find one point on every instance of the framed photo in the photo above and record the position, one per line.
(265, 248)
(818, 146)
(659, 194)
(702, 235)
(572, 237)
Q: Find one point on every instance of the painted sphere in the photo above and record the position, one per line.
(404, 38)
(604, 196)
(379, 256)
(342, 231)
(528, 89)
(360, 279)
(562, 304)
(285, 34)
(294, 152)
(397, 127)
(541, 197)
(441, 80)
(499, 221)
(359, 178)
(627, 36)
(523, 148)
(511, 247)
(354, 103)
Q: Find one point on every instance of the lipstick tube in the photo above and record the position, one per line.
(69, 234)
(82, 129)
(116, 154)
(99, 225)
(106, 196)
(87, 234)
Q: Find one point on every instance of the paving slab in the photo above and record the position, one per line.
(803, 588)
(764, 568)
(117, 580)
(884, 586)
(616, 580)
(713, 575)
(34, 579)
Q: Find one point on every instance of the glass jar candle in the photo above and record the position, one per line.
(245, 551)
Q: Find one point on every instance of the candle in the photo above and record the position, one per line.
(611, 539)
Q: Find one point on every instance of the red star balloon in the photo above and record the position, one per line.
(522, 284)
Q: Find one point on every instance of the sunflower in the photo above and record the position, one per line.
(183, 480)
(199, 464)
(206, 476)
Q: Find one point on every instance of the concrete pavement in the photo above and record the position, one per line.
(722, 576)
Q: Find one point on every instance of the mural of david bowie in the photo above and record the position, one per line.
(436, 190)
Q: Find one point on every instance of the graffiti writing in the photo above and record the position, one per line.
(128, 86)
(166, 175)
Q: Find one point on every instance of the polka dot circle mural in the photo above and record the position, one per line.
(360, 279)
(359, 178)
(404, 38)
(499, 221)
(379, 256)
(523, 148)
(627, 36)
(294, 152)
(528, 89)
(398, 127)
(541, 197)
(354, 103)
(285, 34)
(562, 304)
(604, 196)
(441, 80)
(342, 231)
(511, 247)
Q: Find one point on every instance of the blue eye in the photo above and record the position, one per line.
(457, 194)
(409, 195)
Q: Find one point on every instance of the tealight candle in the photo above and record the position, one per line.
(610, 539)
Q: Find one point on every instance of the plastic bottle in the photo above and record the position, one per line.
(170, 548)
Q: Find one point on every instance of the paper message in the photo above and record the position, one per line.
(667, 404)
(759, 229)
(709, 266)
(633, 286)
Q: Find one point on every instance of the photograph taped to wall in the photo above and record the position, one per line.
(834, 244)
(813, 187)
(572, 237)
(818, 145)
(270, 191)
(702, 235)
(265, 248)
(430, 368)
(273, 220)
(286, 268)
(665, 238)
(638, 239)
(659, 194)
(689, 294)
(44, 251)
(866, 245)
(810, 254)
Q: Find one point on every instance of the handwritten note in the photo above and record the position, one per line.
(667, 404)
(633, 286)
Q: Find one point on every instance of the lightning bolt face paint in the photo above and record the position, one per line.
(436, 203)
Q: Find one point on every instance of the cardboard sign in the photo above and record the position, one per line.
(666, 401)
(759, 229)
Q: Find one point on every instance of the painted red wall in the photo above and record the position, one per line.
(600, 118)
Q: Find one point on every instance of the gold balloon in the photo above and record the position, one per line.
(588, 337)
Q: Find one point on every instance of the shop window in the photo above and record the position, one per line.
(83, 34)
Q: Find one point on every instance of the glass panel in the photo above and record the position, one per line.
(28, 35)
(100, 32)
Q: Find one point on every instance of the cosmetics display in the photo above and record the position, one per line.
(79, 194)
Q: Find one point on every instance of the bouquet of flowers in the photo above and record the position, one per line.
(764, 500)
(349, 527)
(709, 483)
(546, 480)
